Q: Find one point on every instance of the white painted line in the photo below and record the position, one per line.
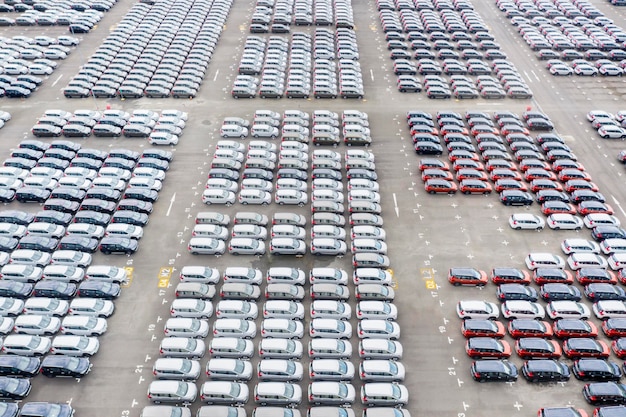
(395, 203)
(536, 76)
(372, 74)
(169, 209)
(619, 206)
(57, 80)
(216, 73)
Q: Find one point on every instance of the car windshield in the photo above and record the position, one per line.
(234, 390)
(343, 390)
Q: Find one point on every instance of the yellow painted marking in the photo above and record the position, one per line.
(129, 272)
(165, 273)
(430, 284)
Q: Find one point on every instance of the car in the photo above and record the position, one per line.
(567, 328)
(467, 276)
(604, 291)
(561, 412)
(513, 309)
(593, 369)
(46, 409)
(583, 347)
(507, 292)
(537, 347)
(487, 347)
(600, 393)
(545, 370)
(561, 309)
(470, 309)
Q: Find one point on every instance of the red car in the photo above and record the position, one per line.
(436, 173)
(566, 328)
(424, 129)
(509, 276)
(587, 276)
(539, 173)
(446, 129)
(561, 164)
(482, 328)
(586, 347)
(503, 173)
(507, 129)
(457, 154)
(467, 163)
(542, 184)
(427, 163)
(478, 129)
(435, 185)
(573, 174)
(548, 275)
(619, 347)
(537, 347)
(572, 185)
(473, 186)
(590, 206)
(467, 276)
(614, 328)
(487, 347)
(529, 328)
(505, 184)
(555, 206)
(493, 164)
(527, 164)
(470, 173)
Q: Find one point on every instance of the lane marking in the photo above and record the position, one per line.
(216, 74)
(169, 209)
(395, 203)
(129, 273)
(165, 273)
(57, 80)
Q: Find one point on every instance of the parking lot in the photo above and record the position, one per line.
(426, 234)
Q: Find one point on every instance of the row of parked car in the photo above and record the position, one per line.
(160, 128)
(608, 125)
(325, 127)
(78, 19)
(277, 17)
(277, 58)
(570, 31)
(459, 38)
(155, 51)
(84, 196)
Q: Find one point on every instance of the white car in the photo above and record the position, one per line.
(587, 70)
(617, 261)
(561, 69)
(611, 246)
(40, 69)
(292, 184)
(600, 219)
(85, 230)
(521, 309)
(565, 309)
(580, 260)
(544, 260)
(475, 309)
(218, 196)
(326, 184)
(608, 309)
(611, 70)
(564, 221)
(569, 246)
(611, 132)
(530, 221)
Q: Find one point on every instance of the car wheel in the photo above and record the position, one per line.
(466, 192)
(556, 228)
(235, 253)
(229, 204)
(518, 228)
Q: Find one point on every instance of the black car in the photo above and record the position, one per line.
(38, 243)
(61, 205)
(124, 154)
(20, 163)
(158, 154)
(15, 289)
(316, 173)
(92, 153)
(68, 193)
(515, 198)
(14, 388)
(600, 233)
(101, 193)
(78, 243)
(122, 163)
(558, 291)
(545, 370)
(16, 217)
(592, 369)
(156, 163)
(17, 92)
(99, 289)
(19, 366)
(130, 217)
(551, 195)
(141, 194)
(8, 409)
(231, 174)
(578, 196)
(88, 163)
(598, 393)
(54, 217)
(604, 291)
(516, 292)
(54, 289)
(32, 194)
(358, 173)
(428, 148)
(135, 205)
(109, 245)
(59, 365)
(487, 370)
(92, 217)
(99, 205)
